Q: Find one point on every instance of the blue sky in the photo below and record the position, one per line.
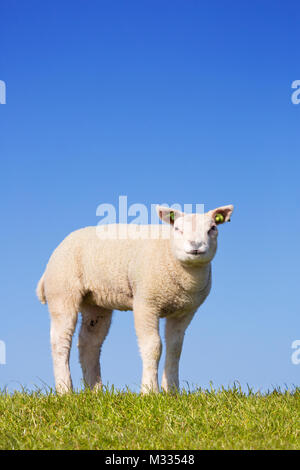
(182, 101)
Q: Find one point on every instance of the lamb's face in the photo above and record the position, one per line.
(194, 236)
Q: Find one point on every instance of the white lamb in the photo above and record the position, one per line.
(167, 276)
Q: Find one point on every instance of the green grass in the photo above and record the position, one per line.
(225, 419)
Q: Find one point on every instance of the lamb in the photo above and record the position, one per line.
(168, 275)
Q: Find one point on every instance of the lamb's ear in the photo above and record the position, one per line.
(168, 215)
(222, 214)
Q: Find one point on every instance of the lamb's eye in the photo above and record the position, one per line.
(212, 229)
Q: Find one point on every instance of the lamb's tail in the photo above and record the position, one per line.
(40, 290)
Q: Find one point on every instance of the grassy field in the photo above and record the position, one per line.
(226, 419)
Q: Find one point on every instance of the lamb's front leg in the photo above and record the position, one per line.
(147, 330)
(174, 334)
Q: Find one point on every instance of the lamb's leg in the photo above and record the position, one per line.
(63, 323)
(147, 330)
(174, 334)
(94, 328)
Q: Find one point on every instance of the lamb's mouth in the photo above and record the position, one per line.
(196, 252)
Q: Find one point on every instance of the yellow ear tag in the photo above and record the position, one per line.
(172, 216)
(219, 218)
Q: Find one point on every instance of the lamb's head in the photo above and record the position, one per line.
(194, 236)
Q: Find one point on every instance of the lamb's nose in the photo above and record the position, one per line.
(198, 246)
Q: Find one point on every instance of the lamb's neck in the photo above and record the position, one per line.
(191, 277)
(196, 278)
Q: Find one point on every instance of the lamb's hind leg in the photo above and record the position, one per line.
(94, 328)
(63, 323)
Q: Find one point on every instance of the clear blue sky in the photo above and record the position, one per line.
(182, 101)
